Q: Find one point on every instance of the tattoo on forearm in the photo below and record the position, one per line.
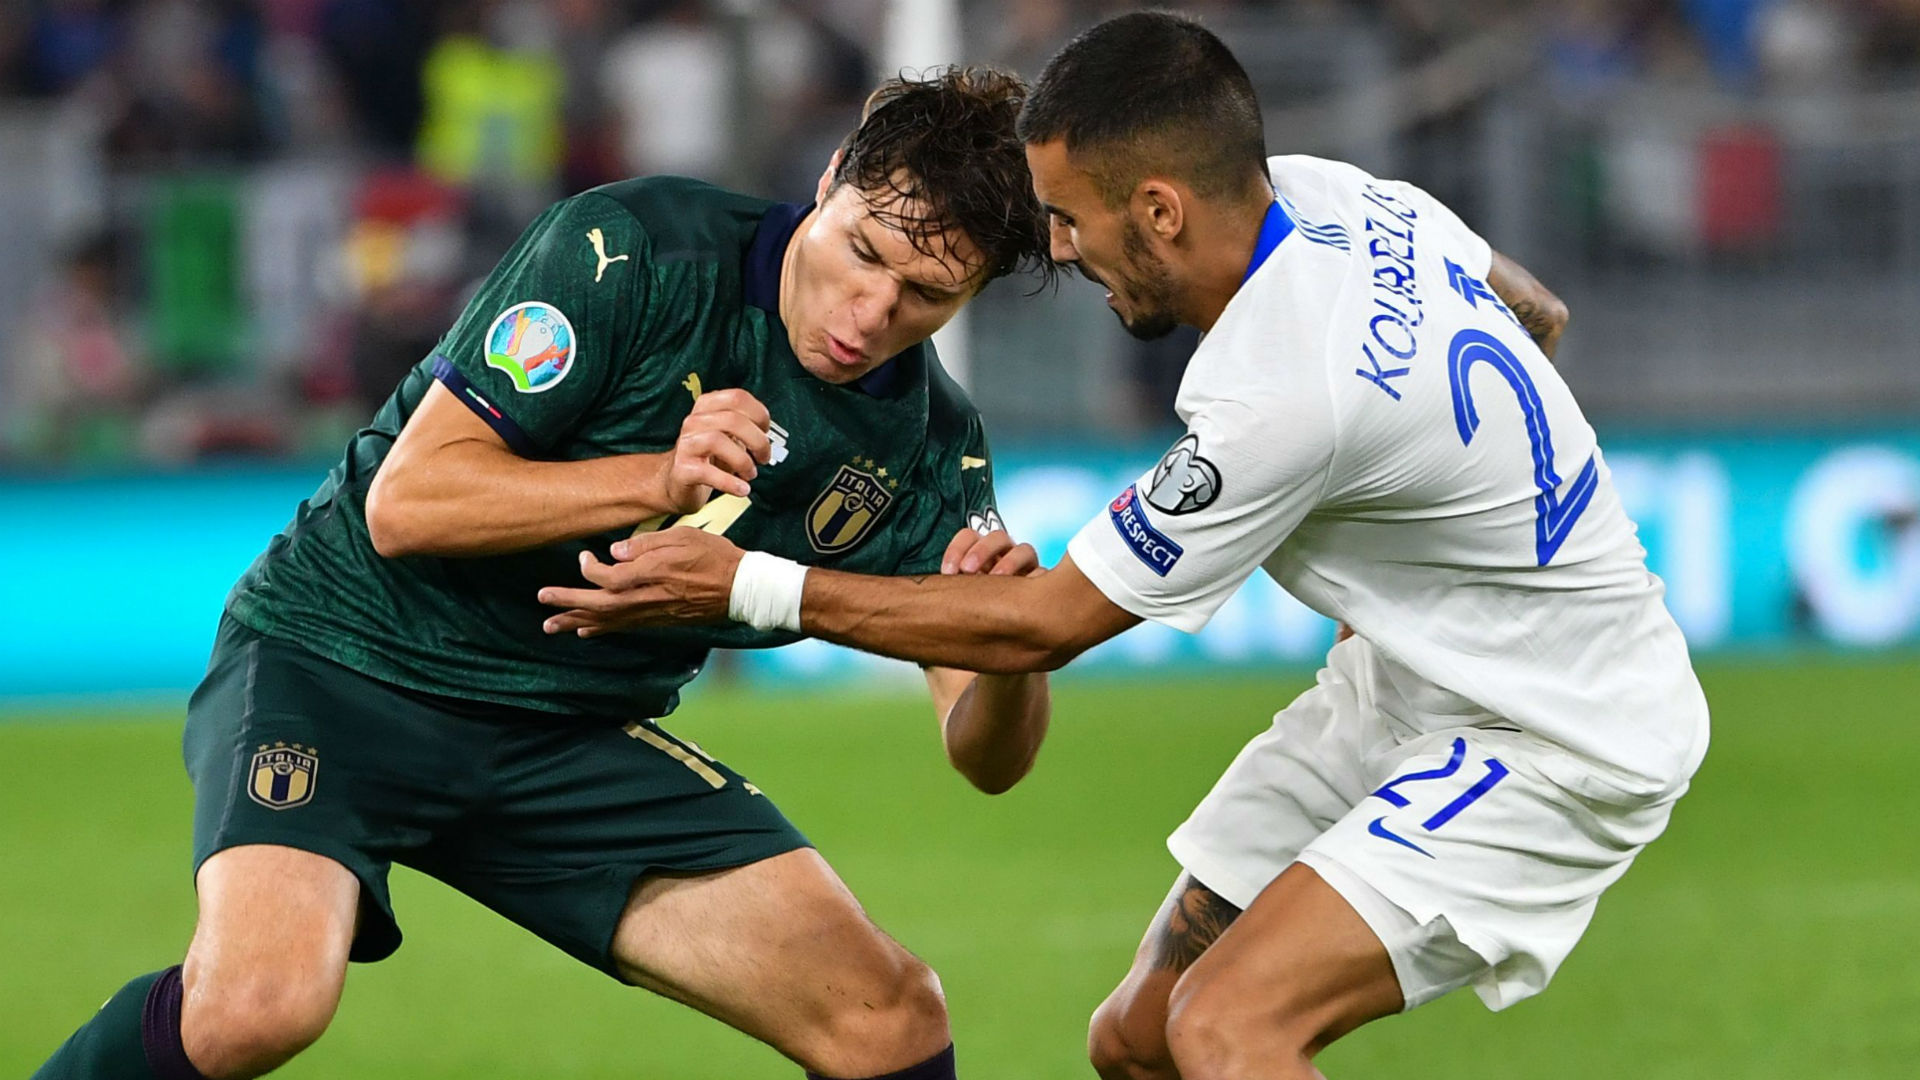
(1195, 921)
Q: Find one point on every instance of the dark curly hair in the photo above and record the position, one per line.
(944, 143)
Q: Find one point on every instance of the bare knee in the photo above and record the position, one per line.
(1214, 1035)
(894, 1017)
(268, 959)
(242, 1025)
(904, 1007)
(1127, 1039)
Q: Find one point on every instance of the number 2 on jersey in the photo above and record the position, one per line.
(1554, 515)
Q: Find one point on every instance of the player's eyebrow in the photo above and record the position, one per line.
(934, 289)
(940, 292)
(1055, 211)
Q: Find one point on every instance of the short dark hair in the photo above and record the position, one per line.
(946, 141)
(1151, 92)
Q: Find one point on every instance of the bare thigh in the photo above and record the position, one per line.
(782, 951)
(1128, 1035)
(1297, 970)
(269, 956)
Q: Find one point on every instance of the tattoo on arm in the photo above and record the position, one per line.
(1196, 920)
(1530, 315)
(1534, 307)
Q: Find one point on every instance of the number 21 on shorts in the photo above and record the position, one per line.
(1389, 791)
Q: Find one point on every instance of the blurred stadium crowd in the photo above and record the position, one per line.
(230, 226)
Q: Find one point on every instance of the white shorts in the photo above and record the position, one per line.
(1468, 863)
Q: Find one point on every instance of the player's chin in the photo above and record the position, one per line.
(1148, 326)
(824, 367)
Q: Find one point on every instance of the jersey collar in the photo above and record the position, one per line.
(1273, 229)
(760, 281)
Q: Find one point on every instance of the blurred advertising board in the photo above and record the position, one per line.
(1766, 542)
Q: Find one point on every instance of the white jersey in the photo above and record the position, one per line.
(1369, 423)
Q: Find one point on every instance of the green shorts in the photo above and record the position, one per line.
(548, 820)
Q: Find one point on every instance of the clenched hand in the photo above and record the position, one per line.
(723, 442)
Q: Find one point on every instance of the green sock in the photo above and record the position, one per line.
(109, 1046)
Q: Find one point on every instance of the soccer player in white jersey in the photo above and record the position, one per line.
(1373, 419)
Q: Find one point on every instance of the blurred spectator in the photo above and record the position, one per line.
(592, 133)
(69, 41)
(377, 48)
(402, 266)
(667, 82)
(1891, 35)
(1805, 44)
(1725, 30)
(14, 26)
(190, 81)
(77, 377)
(1590, 48)
(302, 189)
(492, 88)
(1022, 36)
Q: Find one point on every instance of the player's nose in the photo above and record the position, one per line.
(1060, 244)
(875, 308)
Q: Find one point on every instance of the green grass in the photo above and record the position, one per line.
(1771, 933)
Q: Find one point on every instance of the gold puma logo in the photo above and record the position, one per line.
(599, 241)
(692, 385)
(972, 463)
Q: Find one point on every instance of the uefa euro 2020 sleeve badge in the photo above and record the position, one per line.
(282, 776)
(534, 344)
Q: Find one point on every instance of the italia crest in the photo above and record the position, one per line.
(281, 776)
(845, 513)
(534, 344)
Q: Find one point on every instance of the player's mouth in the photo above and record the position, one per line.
(1087, 272)
(844, 354)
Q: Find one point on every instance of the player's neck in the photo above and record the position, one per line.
(784, 304)
(1222, 243)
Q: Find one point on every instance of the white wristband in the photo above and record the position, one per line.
(766, 592)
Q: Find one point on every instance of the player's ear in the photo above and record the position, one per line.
(826, 178)
(1160, 208)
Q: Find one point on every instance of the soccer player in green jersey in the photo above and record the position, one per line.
(652, 354)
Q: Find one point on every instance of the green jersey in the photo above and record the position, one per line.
(595, 334)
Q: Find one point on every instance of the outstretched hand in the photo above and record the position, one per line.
(673, 576)
(685, 575)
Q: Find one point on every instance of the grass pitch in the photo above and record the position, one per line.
(1771, 933)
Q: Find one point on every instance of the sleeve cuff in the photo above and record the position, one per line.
(1094, 566)
(502, 424)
